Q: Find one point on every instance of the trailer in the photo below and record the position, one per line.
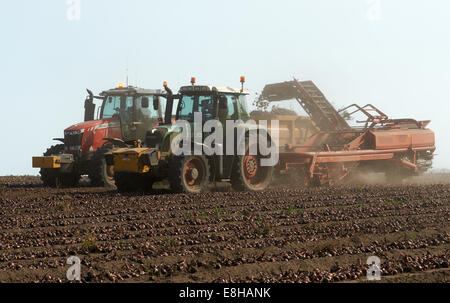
(397, 147)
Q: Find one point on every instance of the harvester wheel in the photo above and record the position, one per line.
(189, 174)
(100, 173)
(248, 174)
(126, 182)
(52, 177)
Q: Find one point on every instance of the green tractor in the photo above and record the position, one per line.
(139, 167)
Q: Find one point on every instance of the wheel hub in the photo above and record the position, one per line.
(250, 166)
(194, 173)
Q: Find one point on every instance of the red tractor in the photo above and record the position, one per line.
(125, 115)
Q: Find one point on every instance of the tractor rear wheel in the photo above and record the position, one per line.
(248, 174)
(100, 173)
(52, 177)
(189, 174)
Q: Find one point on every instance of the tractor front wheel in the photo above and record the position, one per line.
(100, 173)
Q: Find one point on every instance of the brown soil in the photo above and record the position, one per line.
(284, 234)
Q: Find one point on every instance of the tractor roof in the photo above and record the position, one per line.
(210, 88)
(131, 90)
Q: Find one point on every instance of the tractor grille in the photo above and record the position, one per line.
(72, 141)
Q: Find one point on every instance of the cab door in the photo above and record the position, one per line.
(127, 117)
(228, 113)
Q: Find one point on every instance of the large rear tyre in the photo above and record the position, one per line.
(248, 174)
(189, 174)
(100, 173)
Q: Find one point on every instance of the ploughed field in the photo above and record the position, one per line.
(284, 234)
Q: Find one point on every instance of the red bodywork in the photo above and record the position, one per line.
(86, 137)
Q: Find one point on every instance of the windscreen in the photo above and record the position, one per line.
(189, 104)
(111, 107)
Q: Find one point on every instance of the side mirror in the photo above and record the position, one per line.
(223, 102)
(155, 102)
(144, 102)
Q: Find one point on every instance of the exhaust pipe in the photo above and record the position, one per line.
(169, 105)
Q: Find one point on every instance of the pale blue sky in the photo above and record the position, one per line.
(399, 63)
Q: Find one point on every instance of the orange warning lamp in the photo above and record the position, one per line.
(242, 83)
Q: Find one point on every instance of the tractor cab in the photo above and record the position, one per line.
(220, 103)
(136, 109)
(213, 102)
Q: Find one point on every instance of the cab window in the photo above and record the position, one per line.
(189, 105)
(242, 107)
(111, 107)
(232, 109)
(150, 112)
